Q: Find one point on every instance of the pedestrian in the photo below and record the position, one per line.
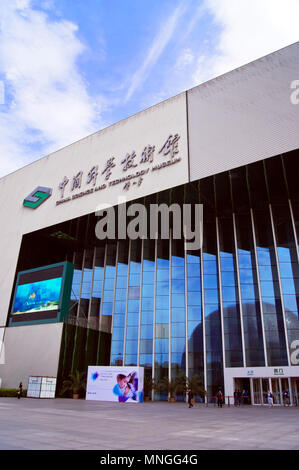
(190, 397)
(270, 399)
(286, 398)
(20, 390)
(245, 397)
(239, 397)
(219, 398)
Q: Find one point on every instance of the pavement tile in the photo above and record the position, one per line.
(77, 424)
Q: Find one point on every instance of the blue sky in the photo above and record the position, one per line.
(71, 67)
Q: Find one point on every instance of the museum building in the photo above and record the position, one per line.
(226, 311)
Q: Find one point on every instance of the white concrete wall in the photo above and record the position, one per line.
(30, 350)
(245, 115)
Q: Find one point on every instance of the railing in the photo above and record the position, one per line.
(227, 400)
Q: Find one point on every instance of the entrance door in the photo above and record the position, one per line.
(265, 388)
(295, 391)
(285, 386)
(276, 392)
(256, 387)
(243, 385)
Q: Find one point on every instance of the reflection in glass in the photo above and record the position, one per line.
(252, 325)
(270, 292)
(194, 316)
(289, 272)
(133, 303)
(97, 285)
(147, 306)
(76, 285)
(214, 359)
(230, 296)
(120, 303)
(162, 313)
(86, 283)
(178, 320)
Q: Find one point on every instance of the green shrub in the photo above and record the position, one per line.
(11, 392)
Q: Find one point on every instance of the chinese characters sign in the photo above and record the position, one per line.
(132, 167)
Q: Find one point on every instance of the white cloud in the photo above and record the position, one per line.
(48, 97)
(249, 29)
(185, 59)
(158, 45)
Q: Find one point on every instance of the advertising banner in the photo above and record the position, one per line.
(120, 384)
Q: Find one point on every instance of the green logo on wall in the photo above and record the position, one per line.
(37, 197)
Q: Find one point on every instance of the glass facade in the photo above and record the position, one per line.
(231, 304)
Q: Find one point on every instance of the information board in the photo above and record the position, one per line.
(41, 387)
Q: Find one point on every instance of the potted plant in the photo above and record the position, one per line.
(148, 386)
(196, 386)
(172, 387)
(75, 384)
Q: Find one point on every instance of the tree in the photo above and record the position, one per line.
(196, 386)
(172, 387)
(148, 385)
(76, 383)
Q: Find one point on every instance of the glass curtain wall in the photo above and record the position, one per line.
(108, 291)
(229, 282)
(249, 287)
(267, 266)
(132, 323)
(212, 314)
(86, 283)
(287, 254)
(178, 312)
(120, 305)
(76, 285)
(195, 330)
(162, 312)
(97, 286)
(147, 307)
(233, 303)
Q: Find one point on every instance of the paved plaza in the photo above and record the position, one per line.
(80, 425)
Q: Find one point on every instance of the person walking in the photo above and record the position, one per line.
(20, 390)
(245, 397)
(270, 399)
(239, 397)
(219, 398)
(190, 397)
(286, 398)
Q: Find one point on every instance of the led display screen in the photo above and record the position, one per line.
(39, 294)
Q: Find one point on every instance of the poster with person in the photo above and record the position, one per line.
(119, 384)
